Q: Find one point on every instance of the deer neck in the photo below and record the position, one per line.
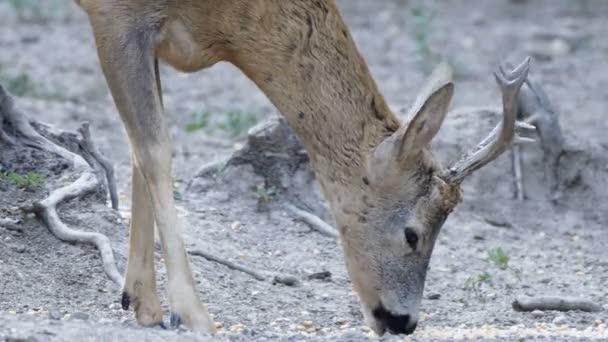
(313, 73)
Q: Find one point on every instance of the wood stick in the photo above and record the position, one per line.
(313, 221)
(526, 304)
(255, 274)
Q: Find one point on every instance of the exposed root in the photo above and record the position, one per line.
(526, 304)
(88, 145)
(313, 221)
(46, 209)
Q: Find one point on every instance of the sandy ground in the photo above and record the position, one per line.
(55, 291)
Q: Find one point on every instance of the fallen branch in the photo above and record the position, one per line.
(276, 278)
(229, 264)
(46, 209)
(313, 221)
(527, 304)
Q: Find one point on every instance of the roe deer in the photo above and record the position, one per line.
(388, 194)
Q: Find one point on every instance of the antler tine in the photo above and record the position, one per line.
(503, 135)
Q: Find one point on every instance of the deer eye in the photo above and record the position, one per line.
(411, 237)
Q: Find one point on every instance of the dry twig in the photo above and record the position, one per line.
(255, 274)
(315, 222)
(284, 279)
(526, 304)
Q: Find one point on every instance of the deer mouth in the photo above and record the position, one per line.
(396, 324)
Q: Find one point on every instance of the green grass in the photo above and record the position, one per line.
(237, 123)
(475, 282)
(264, 194)
(199, 121)
(28, 181)
(499, 258)
(20, 85)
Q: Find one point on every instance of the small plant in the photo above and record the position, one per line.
(21, 85)
(237, 123)
(264, 194)
(220, 169)
(498, 257)
(199, 121)
(28, 181)
(475, 282)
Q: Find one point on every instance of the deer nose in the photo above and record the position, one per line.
(395, 324)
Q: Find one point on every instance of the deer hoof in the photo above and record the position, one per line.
(175, 321)
(125, 301)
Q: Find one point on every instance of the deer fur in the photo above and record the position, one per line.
(383, 184)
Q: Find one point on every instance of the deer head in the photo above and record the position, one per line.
(389, 237)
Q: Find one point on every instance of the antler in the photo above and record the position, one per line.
(503, 135)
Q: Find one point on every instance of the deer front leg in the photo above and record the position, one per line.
(127, 52)
(140, 280)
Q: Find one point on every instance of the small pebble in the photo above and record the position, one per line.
(237, 328)
(236, 225)
(54, 315)
(559, 320)
(537, 314)
(20, 249)
(324, 275)
(115, 306)
(286, 280)
(80, 315)
(307, 324)
(433, 296)
(219, 325)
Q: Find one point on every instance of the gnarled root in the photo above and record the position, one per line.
(87, 181)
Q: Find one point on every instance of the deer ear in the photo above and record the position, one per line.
(427, 114)
(426, 123)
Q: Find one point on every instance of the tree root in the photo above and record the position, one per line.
(88, 145)
(9, 224)
(527, 304)
(276, 278)
(313, 221)
(46, 209)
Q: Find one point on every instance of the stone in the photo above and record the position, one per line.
(80, 316)
(559, 320)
